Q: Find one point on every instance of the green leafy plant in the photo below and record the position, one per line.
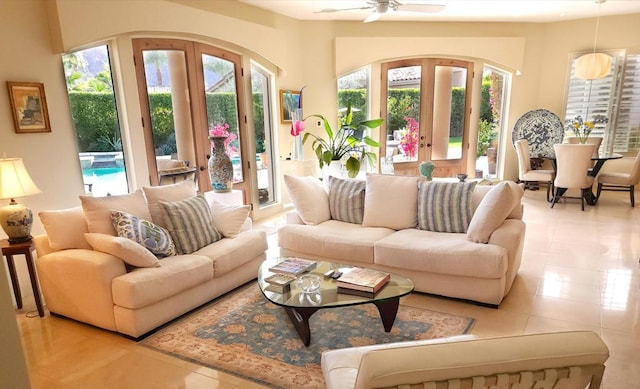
(343, 144)
(486, 135)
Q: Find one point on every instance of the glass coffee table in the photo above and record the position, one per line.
(300, 305)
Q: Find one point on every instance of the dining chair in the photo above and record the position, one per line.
(528, 175)
(572, 164)
(621, 182)
(592, 140)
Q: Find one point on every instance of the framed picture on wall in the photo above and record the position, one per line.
(285, 115)
(28, 107)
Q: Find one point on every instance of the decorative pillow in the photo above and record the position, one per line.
(153, 237)
(346, 199)
(129, 251)
(169, 193)
(190, 224)
(481, 190)
(309, 198)
(391, 201)
(97, 210)
(65, 228)
(491, 212)
(444, 206)
(229, 219)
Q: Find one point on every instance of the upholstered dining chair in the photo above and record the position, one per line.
(621, 182)
(592, 140)
(572, 165)
(526, 174)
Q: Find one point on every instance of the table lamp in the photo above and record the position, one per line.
(16, 219)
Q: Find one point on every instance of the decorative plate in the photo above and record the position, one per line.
(542, 129)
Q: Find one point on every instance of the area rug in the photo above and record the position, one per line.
(244, 334)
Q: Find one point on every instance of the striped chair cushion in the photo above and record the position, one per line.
(444, 206)
(346, 199)
(153, 237)
(190, 224)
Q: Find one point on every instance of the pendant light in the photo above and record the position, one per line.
(594, 65)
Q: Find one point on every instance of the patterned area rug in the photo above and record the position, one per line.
(244, 334)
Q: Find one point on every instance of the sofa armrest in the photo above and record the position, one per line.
(77, 283)
(578, 355)
(42, 245)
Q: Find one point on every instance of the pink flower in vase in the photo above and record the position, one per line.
(297, 127)
(409, 141)
(221, 130)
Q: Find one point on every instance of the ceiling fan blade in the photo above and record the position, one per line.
(424, 8)
(373, 16)
(331, 10)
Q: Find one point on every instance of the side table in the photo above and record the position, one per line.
(25, 248)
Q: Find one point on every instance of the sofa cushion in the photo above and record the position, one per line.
(190, 224)
(346, 199)
(65, 228)
(309, 198)
(153, 237)
(129, 251)
(333, 239)
(391, 201)
(169, 193)
(228, 254)
(492, 211)
(435, 252)
(229, 219)
(145, 286)
(97, 210)
(481, 190)
(444, 206)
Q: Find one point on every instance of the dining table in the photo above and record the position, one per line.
(599, 159)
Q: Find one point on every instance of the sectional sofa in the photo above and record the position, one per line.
(452, 239)
(93, 272)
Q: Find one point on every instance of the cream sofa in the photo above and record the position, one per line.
(100, 288)
(562, 360)
(478, 265)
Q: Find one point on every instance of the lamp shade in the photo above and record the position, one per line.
(593, 66)
(16, 219)
(14, 179)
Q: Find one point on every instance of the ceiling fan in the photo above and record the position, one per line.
(380, 7)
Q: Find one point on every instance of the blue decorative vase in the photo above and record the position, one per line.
(426, 169)
(220, 166)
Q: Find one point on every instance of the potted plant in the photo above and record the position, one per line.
(343, 143)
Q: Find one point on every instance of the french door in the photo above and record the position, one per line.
(186, 89)
(426, 111)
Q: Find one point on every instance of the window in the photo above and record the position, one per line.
(616, 96)
(95, 120)
(263, 126)
(354, 88)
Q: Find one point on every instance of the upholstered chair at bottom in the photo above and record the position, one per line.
(572, 165)
(528, 175)
(621, 182)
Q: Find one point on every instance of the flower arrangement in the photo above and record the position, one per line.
(222, 130)
(409, 141)
(293, 104)
(582, 128)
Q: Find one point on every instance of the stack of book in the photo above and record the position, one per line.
(362, 282)
(279, 283)
(293, 266)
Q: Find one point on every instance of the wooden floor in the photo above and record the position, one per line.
(580, 271)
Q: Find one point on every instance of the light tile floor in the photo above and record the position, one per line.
(579, 271)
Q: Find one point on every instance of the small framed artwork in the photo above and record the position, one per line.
(29, 107)
(285, 114)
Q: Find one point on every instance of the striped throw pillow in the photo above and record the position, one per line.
(444, 206)
(346, 199)
(190, 224)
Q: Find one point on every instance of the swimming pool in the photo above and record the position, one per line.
(103, 181)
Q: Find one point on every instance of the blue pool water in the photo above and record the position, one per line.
(103, 181)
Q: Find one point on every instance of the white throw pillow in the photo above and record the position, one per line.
(492, 211)
(97, 210)
(168, 193)
(309, 197)
(228, 219)
(391, 201)
(129, 251)
(65, 228)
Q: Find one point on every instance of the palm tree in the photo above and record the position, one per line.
(157, 58)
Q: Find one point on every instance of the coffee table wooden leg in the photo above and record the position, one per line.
(388, 310)
(300, 319)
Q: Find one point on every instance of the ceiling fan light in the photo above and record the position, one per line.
(593, 66)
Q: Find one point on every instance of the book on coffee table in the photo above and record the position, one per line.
(280, 279)
(361, 279)
(293, 265)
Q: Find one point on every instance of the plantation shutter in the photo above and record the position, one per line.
(627, 129)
